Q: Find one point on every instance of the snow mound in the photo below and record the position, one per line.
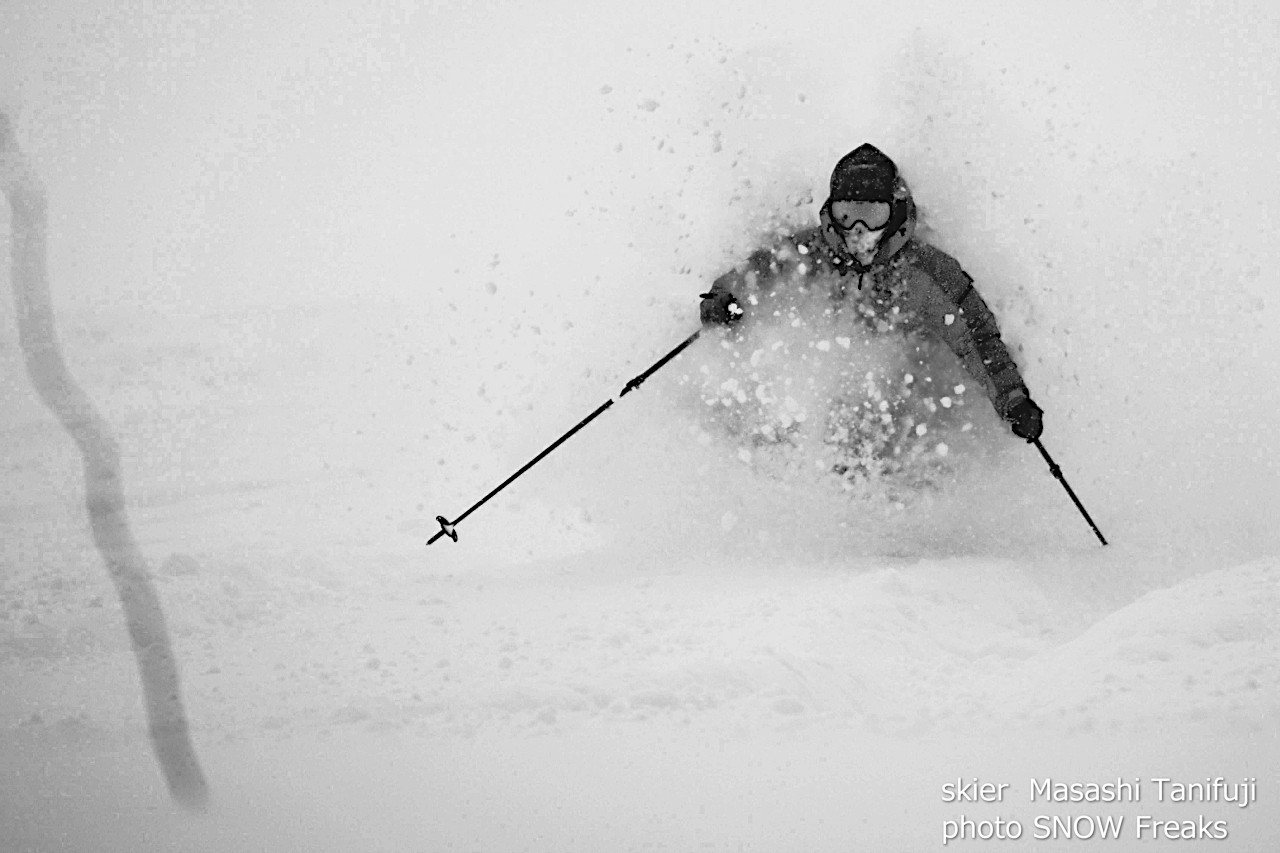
(1205, 648)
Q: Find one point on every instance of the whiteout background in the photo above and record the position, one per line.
(332, 270)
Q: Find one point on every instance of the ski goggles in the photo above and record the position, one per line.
(873, 214)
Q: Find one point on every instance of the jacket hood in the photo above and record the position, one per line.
(867, 174)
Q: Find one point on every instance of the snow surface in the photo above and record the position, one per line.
(333, 270)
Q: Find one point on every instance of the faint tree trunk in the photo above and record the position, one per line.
(104, 491)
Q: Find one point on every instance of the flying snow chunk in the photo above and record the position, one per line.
(844, 342)
(744, 455)
(823, 346)
(942, 449)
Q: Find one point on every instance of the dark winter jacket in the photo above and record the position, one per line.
(911, 286)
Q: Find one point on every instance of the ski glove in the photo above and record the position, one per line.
(1026, 418)
(719, 306)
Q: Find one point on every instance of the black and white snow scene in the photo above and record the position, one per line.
(284, 282)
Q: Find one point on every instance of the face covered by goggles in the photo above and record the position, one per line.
(874, 215)
(861, 225)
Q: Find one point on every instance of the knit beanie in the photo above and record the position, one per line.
(864, 174)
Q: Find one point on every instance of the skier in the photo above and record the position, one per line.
(866, 237)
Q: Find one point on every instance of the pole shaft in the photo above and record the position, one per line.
(630, 386)
(658, 365)
(1057, 473)
(534, 461)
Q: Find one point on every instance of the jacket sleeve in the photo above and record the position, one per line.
(955, 310)
(800, 254)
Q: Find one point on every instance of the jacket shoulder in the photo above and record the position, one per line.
(802, 252)
(941, 267)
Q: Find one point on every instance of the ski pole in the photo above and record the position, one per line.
(448, 528)
(1057, 473)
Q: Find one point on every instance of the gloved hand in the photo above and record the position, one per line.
(719, 306)
(1026, 418)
